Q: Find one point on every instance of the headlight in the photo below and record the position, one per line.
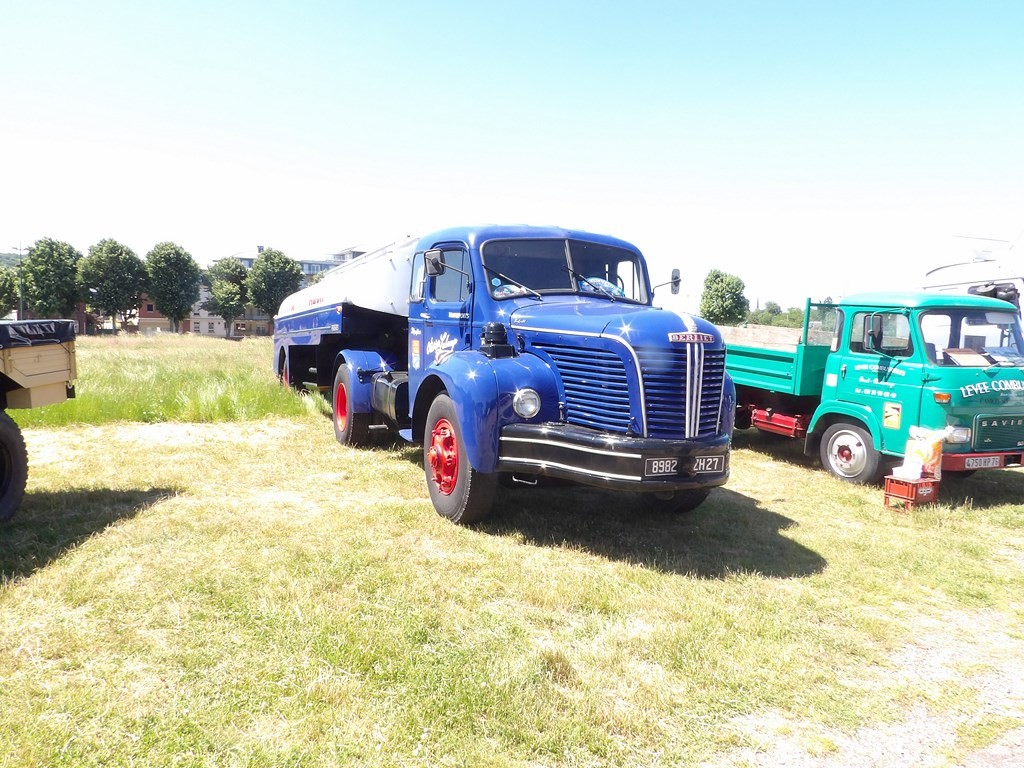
(526, 403)
(959, 435)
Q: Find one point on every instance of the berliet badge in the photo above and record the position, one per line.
(692, 338)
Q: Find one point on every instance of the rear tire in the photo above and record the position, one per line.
(282, 370)
(848, 452)
(350, 428)
(457, 491)
(13, 467)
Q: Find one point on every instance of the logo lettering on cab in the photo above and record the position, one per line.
(691, 338)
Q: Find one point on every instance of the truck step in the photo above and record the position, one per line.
(312, 386)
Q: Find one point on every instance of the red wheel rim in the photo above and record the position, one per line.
(340, 408)
(444, 456)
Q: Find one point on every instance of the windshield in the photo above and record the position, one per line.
(528, 267)
(972, 338)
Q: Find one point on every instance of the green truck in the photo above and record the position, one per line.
(861, 372)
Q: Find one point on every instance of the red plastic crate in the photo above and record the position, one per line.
(907, 494)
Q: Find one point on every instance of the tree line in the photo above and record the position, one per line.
(54, 278)
(723, 303)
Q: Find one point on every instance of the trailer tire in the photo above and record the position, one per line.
(13, 467)
(350, 428)
(848, 452)
(457, 491)
(282, 370)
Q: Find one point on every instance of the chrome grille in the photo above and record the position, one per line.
(999, 433)
(683, 385)
(596, 390)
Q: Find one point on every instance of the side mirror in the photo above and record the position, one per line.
(1010, 294)
(676, 281)
(873, 332)
(435, 262)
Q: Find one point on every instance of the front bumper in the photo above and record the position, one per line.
(960, 462)
(592, 457)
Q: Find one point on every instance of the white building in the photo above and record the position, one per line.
(255, 322)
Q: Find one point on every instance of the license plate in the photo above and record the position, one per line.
(669, 467)
(983, 462)
(661, 467)
(709, 464)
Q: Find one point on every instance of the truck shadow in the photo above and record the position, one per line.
(777, 447)
(728, 534)
(49, 524)
(984, 489)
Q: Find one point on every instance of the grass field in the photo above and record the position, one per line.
(222, 584)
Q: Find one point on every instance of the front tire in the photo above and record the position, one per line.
(352, 429)
(848, 452)
(457, 491)
(13, 467)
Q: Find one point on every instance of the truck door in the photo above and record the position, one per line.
(439, 312)
(880, 370)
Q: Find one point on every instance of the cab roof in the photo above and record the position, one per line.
(475, 236)
(923, 300)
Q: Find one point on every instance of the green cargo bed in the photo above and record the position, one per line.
(774, 359)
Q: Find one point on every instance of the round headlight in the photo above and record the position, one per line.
(959, 435)
(526, 403)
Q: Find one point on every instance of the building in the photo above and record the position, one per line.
(202, 321)
(255, 322)
(310, 267)
(150, 321)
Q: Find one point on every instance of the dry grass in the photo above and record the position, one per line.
(243, 591)
(254, 594)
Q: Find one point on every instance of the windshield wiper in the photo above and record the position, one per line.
(1004, 364)
(516, 283)
(597, 288)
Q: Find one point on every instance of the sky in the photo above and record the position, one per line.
(810, 148)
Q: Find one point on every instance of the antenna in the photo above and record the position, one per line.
(1016, 240)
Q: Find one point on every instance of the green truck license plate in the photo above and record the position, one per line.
(983, 462)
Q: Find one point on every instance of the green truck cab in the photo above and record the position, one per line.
(863, 371)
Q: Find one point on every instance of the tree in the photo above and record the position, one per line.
(759, 317)
(173, 281)
(50, 275)
(772, 314)
(791, 318)
(273, 278)
(723, 301)
(112, 277)
(228, 293)
(10, 296)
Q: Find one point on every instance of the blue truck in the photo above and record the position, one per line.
(514, 353)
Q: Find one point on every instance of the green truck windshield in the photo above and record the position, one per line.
(972, 338)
